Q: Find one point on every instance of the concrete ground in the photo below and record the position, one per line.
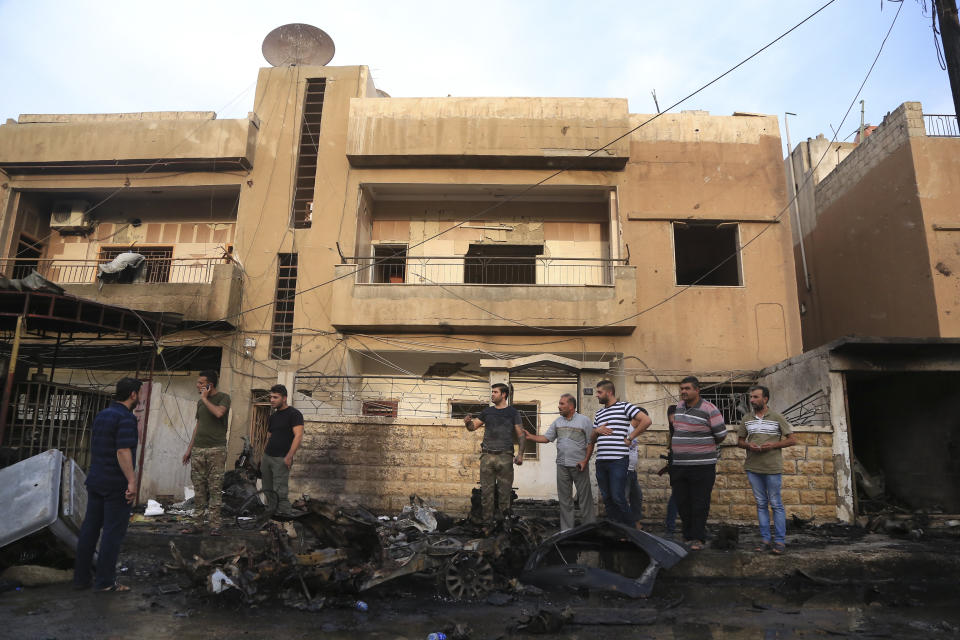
(832, 582)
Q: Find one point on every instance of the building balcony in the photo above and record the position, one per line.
(530, 133)
(199, 289)
(164, 141)
(471, 294)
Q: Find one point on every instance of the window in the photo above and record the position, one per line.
(281, 338)
(157, 263)
(707, 254)
(501, 264)
(390, 263)
(528, 418)
(733, 400)
(28, 256)
(382, 408)
(307, 153)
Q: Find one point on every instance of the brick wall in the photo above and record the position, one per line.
(905, 122)
(809, 484)
(379, 462)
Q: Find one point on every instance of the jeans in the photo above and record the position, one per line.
(275, 476)
(109, 513)
(766, 491)
(691, 487)
(670, 523)
(612, 481)
(567, 477)
(634, 496)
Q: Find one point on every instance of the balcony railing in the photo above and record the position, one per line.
(941, 125)
(486, 270)
(152, 270)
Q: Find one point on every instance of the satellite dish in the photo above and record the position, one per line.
(298, 44)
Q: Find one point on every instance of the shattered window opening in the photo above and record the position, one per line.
(307, 153)
(733, 400)
(501, 264)
(707, 254)
(281, 338)
(156, 264)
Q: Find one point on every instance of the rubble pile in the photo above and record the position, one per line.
(334, 550)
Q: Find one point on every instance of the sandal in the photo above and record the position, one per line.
(763, 547)
(116, 587)
(696, 545)
(778, 548)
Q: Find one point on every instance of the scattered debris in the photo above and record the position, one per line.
(153, 508)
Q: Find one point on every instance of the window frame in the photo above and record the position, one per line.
(716, 224)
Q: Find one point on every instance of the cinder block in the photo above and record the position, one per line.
(819, 453)
(813, 496)
(717, 512)
(433, 474)
(738, 481)
(823, 482)
(743, 512)
(825, 513)
(790, 496)
(729, 466)
(825, 440)
(798, 452)
(806, 438)
(831, 497)
(789, 466)
(800, 510)
(828, 466)
(795, 482)
(809, 468)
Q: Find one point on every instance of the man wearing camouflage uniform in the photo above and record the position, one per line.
(208, 450)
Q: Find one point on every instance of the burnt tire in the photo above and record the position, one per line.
(467, 576)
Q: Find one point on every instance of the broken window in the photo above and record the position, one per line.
(28, 256)
(733, 400)
(501, 264)
(528, 418)
(381, 408)
(390, 263)
(156, 265)
(707, 253)
(307, 153)
(281, 338)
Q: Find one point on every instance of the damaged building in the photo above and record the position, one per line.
(387, 259)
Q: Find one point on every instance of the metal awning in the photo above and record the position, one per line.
(60, 313)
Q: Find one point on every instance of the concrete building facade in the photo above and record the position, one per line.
(389, 258)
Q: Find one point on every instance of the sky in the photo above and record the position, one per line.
(86, 56)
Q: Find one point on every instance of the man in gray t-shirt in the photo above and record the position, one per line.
(571, 431)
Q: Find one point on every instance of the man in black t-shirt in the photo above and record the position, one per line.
(500, 423)
(286, 432)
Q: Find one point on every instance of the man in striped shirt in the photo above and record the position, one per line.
(763, 434)
(614, 428)
(698, 430)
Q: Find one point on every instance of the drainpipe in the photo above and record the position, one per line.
(796, 205)
(11, 372)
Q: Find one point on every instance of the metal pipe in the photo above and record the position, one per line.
(795, 204)
(11, 372)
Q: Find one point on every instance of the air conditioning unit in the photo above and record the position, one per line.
(70, 216)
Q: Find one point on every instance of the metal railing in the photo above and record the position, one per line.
(152, 270)
(45, 415)
(941, 125)
(486, 270)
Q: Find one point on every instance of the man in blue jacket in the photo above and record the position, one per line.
(111, 489)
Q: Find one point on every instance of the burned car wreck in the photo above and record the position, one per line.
(345, 549)
(601, 556)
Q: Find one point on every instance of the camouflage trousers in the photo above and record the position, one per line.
(206, 472)
(496, 484)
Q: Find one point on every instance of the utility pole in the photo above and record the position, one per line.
(950, 39)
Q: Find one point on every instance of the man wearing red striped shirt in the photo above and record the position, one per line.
(698, 430)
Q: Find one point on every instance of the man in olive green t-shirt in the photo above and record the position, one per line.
(208, 448)
(763, 433)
